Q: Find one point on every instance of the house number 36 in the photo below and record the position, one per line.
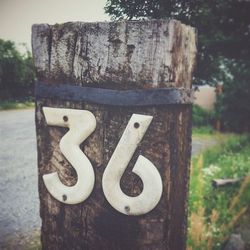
(81, 124)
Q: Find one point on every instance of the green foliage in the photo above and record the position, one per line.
(233, 105)
(17, 72)
(13, 104)
(217, 210)
(201, 117)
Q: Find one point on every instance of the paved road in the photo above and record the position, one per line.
(19, 206)
(198, 145)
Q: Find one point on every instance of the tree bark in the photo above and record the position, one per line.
(116, 55)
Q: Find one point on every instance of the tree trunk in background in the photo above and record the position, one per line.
(116, 55)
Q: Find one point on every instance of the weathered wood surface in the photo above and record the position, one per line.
(146, 54)
(225, 182)
(120, 55)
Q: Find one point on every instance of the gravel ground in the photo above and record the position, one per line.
(19, 205)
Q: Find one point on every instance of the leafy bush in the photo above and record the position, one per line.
(17, 72)
(201, 117)
(233, 105)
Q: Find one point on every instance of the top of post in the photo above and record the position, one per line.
(124, 54)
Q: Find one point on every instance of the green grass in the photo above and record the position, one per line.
(203, 131)
(213, 212)
(12, 104)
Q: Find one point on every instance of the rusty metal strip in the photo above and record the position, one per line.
(138, 97)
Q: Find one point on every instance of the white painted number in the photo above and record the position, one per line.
(152, 183)
(81, 124)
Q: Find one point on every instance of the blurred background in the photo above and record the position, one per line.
(219, 199)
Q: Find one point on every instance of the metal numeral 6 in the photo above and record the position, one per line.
(81, 124)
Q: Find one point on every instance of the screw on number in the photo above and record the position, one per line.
(152, 183)
(81, 124)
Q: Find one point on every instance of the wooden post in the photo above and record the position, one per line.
(219, 91)
(124, 55)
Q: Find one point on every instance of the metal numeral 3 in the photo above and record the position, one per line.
(81, 124)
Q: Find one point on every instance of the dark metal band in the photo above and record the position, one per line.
(138, 97)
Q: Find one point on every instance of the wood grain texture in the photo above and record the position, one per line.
(119, 55)
(143, 53)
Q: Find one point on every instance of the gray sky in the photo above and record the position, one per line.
(17, 16)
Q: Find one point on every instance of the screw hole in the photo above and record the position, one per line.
(127, 208)
(136, 125)
(65, 118)
(64, 197)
